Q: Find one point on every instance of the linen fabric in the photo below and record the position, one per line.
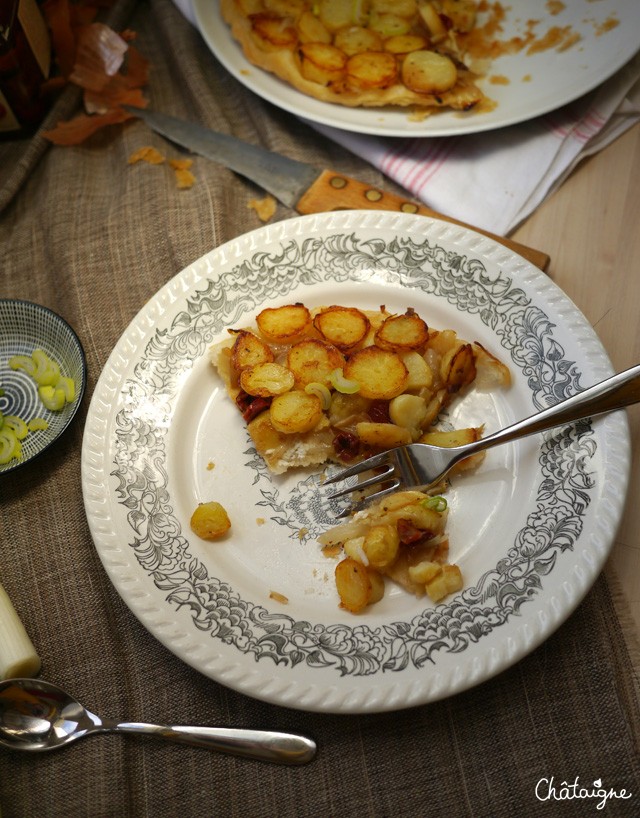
(94, 238)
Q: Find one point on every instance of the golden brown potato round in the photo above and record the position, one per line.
(266, 380)
(389, 24)
(344, 327)
(381, 374)
(427, 72)
(353, 584)
(381, 545)
(400, 333)
(336, 14)
(405, 44)
(210, 521)
(273, 32)
(458, 368)
(372, 69)
(295, 412)
(382, 435)
(284, 325)
(322, 62)
(249, 350)
(311, 29)
(356, 40)
(313, 361)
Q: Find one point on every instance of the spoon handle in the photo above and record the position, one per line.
(263, 745)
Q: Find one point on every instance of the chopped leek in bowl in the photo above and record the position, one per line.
(43, 375)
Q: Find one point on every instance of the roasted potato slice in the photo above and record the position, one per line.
(336, 14)
(371, 69)
(427, 72)
(357, 586)
(295, 412)
(402, 332)
(441, 341)
(435, 24)
(313, 361)
(356, 40)
(272, 32)
(210, 521)
(344, 327)
(266, 380)
(448, 581)
(284, 325)
(457, 437)
(380, 373)
(311, 29)
(434, 407)
(249, 350)
(322, 62)
(405, 43)
(458, 368)
(408, 411)
(382, 435)
(381, 545)
(420, 373)
(389, 24)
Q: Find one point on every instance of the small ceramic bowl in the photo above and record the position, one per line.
(25, 327)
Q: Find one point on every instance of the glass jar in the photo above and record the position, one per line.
(25, 59)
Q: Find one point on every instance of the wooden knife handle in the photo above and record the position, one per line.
(333, 191)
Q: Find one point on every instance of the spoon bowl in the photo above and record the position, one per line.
(36, 715)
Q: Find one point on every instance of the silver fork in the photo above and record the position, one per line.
(420, 465)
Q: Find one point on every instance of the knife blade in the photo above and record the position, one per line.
(298, 185)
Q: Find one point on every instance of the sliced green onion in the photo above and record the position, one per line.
(25, 362)
(320, 391)
(47, 370)
(438, 503)
(342, 384)
(9, 445)
(52, 398)
(68, 386)
(17, 425)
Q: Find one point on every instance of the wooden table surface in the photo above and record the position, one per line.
(591, 229)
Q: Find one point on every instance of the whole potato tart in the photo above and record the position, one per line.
(363, 53)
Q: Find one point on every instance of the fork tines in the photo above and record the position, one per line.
(379, 461)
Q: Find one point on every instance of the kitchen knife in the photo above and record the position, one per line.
(298, 185)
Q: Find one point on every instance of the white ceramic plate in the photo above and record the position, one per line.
(530, 530)
(537, 83)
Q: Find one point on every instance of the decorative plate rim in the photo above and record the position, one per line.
(356, 685)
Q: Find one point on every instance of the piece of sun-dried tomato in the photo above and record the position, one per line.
(378, 412)
(251, 406)
(410, 534)
(346, 445)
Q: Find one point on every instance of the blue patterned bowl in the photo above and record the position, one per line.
(24, 327)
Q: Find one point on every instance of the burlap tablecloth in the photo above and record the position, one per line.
(93, 238)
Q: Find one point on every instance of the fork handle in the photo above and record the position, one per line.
(613, 393)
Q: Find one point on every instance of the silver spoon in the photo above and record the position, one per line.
(37, 715)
